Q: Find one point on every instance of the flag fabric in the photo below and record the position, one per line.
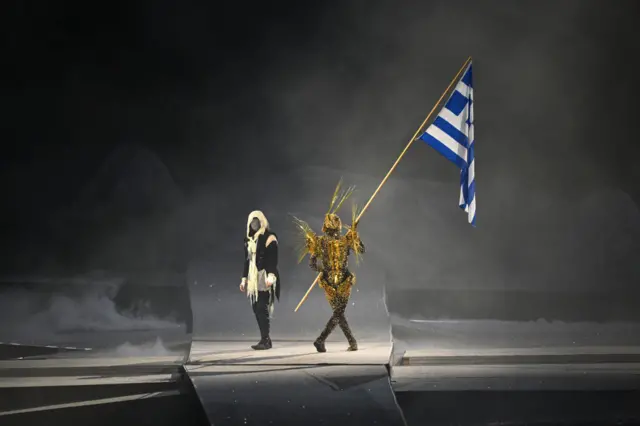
(451, 134)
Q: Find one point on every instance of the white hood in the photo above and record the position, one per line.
(264, 223)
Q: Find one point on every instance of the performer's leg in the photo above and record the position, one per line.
(331, 324)
(340, 307)
(344, 325)
(261, 310)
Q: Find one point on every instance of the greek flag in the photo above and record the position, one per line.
(451, 134)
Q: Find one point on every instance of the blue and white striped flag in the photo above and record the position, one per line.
(451, 134)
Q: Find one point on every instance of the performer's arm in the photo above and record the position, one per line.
(245, 271)
(271, 265)
(271, 259)
(313, 263)
(354, 242)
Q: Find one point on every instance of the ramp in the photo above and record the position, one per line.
(296, 395)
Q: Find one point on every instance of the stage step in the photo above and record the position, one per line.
(550, 377)
(522, 356)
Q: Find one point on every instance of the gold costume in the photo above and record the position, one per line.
(332, 250)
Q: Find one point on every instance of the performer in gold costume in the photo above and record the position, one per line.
(332, 250)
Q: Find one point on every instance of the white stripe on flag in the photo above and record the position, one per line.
(457, 121)
(448, 141)
(472, 210)
(464, 89)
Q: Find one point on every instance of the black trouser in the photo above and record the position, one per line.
(261, 309)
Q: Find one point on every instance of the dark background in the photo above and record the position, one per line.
(139, 135)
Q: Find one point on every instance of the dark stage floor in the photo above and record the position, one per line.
(521, 408)
(419, 408)
(551, 396)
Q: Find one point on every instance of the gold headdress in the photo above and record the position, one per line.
(332, 222)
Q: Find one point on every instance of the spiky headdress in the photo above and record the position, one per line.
(332, 221)
(339, 197)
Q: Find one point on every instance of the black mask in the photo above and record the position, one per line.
(255, 224)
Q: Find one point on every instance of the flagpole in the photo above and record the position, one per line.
(404, 151)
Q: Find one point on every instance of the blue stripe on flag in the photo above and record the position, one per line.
(471, 190)
(464, 190)
(443, 150)
(451, 130)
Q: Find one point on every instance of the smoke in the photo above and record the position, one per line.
(156, 348)
(95, 311)
(557, 243)
(91, 308)
(376, 69)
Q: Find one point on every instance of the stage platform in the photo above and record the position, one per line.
(289, 353)
(401, 367)
(292, 384)
(91, 367)
(526, 356)
(521, 356)
(533, 377)
(517, 373)
(531, 369)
